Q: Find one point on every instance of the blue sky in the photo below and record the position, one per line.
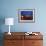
(27, 13)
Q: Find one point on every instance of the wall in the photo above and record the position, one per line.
(9, 8)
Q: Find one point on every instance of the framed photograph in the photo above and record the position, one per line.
(26, 15)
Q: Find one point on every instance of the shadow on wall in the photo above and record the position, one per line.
(2, 21)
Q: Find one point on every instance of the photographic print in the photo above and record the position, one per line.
(26, 15)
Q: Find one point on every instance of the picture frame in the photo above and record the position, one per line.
(26, 15)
